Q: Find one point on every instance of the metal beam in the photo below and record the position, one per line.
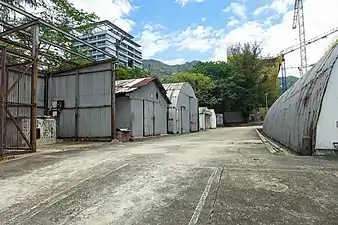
(18, 28)
(49, 56)
(34, 86)
(28, 15)
(50, 43)
(2, 103)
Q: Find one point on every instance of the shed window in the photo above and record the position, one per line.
(156, 95)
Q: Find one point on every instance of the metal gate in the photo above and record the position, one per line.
(148, 118)
(18, 103)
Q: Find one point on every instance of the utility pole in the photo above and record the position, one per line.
(266, 102)
(117, 49)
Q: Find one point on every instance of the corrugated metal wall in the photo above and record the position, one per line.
(183, 113)
(87, 94)
(292, 119)
(21, 93)
(149, 114)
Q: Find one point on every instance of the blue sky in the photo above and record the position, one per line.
(175, 31)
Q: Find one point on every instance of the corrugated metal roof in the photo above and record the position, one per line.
(292, 119)
(127, 86)
(175, 89)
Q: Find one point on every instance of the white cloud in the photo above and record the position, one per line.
(236, 8)
(174, 61)
(114, 10)
(203, 19)
(153, 41)
(197, 38)
(276, 6)
(232, 22)
(276, 38)
(184, 2)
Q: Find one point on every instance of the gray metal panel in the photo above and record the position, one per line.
(183, 98)
(21, 93)
(62, 88)
(150, 93)
(94, 89)
(94, 100)
(40, 92)
(292, 119)
(123, 112)
(95, 122)
(194, 114)
(137, 117)
(66, 124)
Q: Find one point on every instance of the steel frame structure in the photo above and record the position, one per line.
(298, 17)
(28, 65)
(296, 47)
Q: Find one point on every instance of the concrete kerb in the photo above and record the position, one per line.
(271, 145)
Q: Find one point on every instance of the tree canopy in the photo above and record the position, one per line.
(241, 84)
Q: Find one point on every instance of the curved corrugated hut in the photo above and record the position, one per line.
(183, 111)
(304, 118)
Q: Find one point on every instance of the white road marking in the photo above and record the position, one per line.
(204, 196)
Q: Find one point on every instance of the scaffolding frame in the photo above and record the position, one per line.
(29, 66)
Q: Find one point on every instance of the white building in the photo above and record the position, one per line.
(105, 35)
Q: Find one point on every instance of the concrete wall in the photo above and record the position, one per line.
(87, 95)
(327, 126)
(293, 119)
(148, 113)
(234, 117)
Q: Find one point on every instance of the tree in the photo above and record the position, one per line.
(203, 86)
(65, 16)
(125, 73)
(246, 63)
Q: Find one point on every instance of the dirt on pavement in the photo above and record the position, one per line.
(222, 176)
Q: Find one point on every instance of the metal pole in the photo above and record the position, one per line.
(113, 101)
(2, 101)
(34, 84)
(266, 101)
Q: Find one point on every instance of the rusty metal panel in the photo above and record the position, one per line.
(20, 94)
(292, 119)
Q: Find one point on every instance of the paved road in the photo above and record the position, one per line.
(223, 176)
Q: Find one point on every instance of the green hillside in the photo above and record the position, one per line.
(159, 68)
(290, 80)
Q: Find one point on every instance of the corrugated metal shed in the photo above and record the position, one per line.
(293, 119)
(127, 86)
(183, 113)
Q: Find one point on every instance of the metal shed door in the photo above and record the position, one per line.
(148, 118)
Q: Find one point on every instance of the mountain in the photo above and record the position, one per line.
(290, 80)
(159, 68)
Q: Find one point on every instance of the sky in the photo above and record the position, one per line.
(177, 31)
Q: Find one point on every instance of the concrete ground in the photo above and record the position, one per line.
(223, 176)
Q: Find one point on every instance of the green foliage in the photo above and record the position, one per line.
(202, 84)
(125, 73)
(239, 85)
(161, 69)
